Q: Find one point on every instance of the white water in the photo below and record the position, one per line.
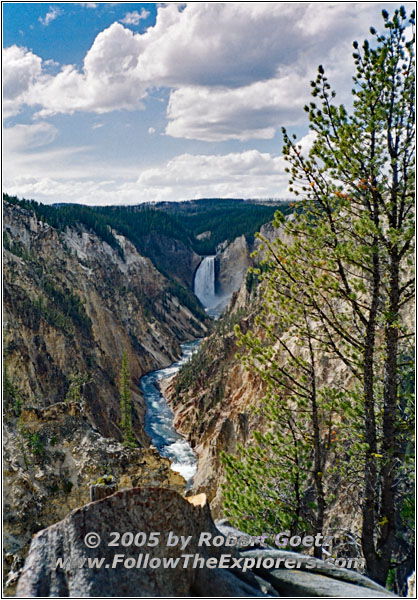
(204, 288)
(159, 418)
(204, 282)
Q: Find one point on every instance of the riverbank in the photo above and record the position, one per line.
(159, 417)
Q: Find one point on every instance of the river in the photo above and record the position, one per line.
(159, 418)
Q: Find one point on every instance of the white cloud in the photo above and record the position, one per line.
(133, 18)
(26, 137)
(109, 80)
(21, 68)
(254, 111)
(237, 71)
(243, 169)
(46, 176)
(50, 16)
(231, 44)
(151, 130)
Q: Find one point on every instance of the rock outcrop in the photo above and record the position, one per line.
(172, 256)
(72, 306)
(212, 399)
(49, 462)
(232, 265)
(73, 558)
(214, 396)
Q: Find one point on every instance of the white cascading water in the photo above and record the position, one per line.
(204, 282)
(159, 418)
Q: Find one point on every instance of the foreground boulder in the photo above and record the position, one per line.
(178, 562)
(134, 510)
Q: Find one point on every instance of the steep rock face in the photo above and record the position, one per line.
(51, 458)
(212, 399)
(232, 265)
(73, 305)
(172, 257)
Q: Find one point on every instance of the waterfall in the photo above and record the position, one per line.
(204, 282)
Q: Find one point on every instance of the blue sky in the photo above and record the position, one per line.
(120, 103)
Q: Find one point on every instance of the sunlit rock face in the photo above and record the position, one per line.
(72, 304)
(233, 265)
(220, 275)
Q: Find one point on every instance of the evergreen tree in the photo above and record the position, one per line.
(285, 479)
(348, 265)
(77, 383)
(125, 403)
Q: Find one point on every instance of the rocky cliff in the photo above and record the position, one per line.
(214, 394)
(212, 398)
(215, 398)
(73, 305)
(172, 256)
(50, 459)
(232, 265)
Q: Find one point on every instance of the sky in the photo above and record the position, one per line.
(126, 102)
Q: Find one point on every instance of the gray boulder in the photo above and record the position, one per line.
(305, 584)
(61, 564)
(320, 581)
(134, 510)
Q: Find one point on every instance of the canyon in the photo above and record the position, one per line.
(73, 304)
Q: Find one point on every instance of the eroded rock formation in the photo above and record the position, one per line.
(73, 305)
(49, 462)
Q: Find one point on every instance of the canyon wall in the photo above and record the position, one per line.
(73, 305)
(232, 265)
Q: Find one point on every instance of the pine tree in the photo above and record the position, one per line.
(76, 387)
(284, 480)
(348, 265)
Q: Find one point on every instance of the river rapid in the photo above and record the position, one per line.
(159, 418)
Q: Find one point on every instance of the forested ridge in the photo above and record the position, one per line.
(225, 219)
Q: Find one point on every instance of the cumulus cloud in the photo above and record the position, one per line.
(109, 79)
(50, 16)
(21, 68)
(234, 70)
(46, 176)
(237, 174)
(254, 111)
(216, 44)
(133, 18)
